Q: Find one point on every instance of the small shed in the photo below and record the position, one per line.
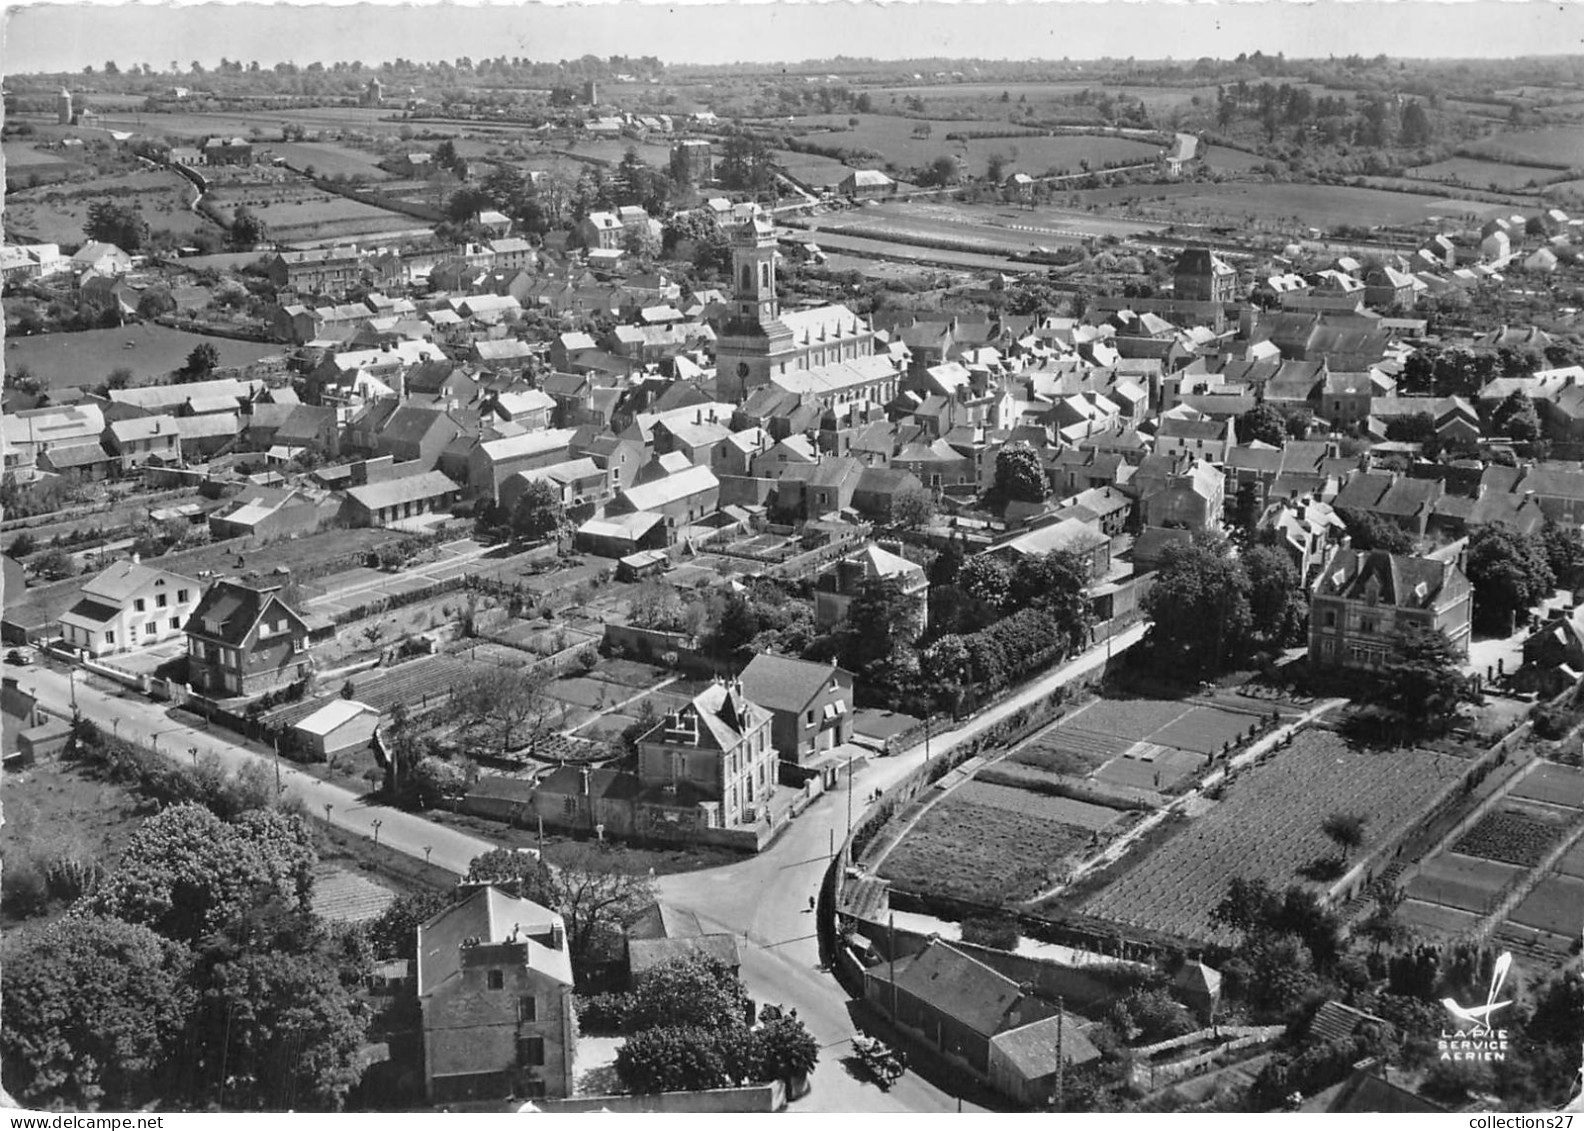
(645, 563)
(1199, 987)
(338, 726)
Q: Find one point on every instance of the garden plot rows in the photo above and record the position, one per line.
(414, 684)
(1464, 882)
(1516, 833)
(1554, 784)
(1556, 906)
(1063, 810)
(346, 897)
(1268, 827)
(1433, 921)
(962, 850)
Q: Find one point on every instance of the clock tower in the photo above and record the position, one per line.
(753, 344)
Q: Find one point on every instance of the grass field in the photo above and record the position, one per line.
(1318, 206)
(1555, 905)
(974, 229)
(299, 213)
(1572, 862)
(86, 358)
(20, 155)
(1554, 145)
(57, 215)
(1156, 98)
(1063, 154)
(1465, 882)
(1234, 160)
(329, 159)
(1555, 783)
(1485, 174)
(963, 850)
(1267, 826)
(1433, 921)
(812, 169)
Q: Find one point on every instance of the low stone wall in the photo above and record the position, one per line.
(758, 1099)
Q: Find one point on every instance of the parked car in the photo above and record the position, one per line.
(20, 656)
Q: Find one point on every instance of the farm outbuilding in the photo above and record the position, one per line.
(337, 727)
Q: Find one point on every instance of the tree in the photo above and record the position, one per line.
(1509, 572)
(120, 224)
(55, 565)
(285, 1028)
(1417, 428)
(942, 171)
(93, 1008)
(672, 1059)
(507, 700)
(394, 933)
(154, 302)
(21, 546)
(246, 227)
(186, 873)
(587, 887)
(948, 563)
(1019, 475)
(1421, 681)
(913, 508)
(1516, 417)
(1277, 603)
(697, 992)
(882, 621)
(640, 243)
(1199, 605)
(1371, 532)
(1155, 1015)
(539, 512)
(995, 167)
(1262, 423)
(986, 579)
(120, 378)
(1055, 583)
(437, 780)
(1564, 550)
(782, 1049)
(202, 360)
(1345, 830)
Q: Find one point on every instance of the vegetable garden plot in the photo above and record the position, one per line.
(1432, 921)
(1514, 834)
(1165, 770)
(1555, 905)
(1204, 730)
(1132, 719)
(1557, 784)
(1064, 810)
(1572, 862)
(1465, 882)
(975, 852)
(1067, 749)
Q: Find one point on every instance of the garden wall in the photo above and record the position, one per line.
(758, 1099)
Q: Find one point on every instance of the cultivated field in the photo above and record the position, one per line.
(1233, 203)
(1434, 921)
(57, 215)
(612, 152)
(979, 853)
(1231, 160)
(1035, 151)
(974, 229)
(329, 159)
(1464, 882)
(1553, 783)
(268, 123)
(1038, 156)
(298, 212)
(151, 352)
(1555, 905)
(1267, 826)
(1496, 175)
(1559, 146)
(1061, 810)
(1516, 833)
(811, 168)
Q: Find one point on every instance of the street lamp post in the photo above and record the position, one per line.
(428, 848)
(327, 807)
(375, 825)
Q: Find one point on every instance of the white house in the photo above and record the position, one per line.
(130, 606)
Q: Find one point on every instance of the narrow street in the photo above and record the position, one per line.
(763, 899)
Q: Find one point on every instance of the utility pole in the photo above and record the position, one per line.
(375, 825)
(891, 958)
(1061, 1017)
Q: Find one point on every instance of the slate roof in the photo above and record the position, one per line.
(394, 492)
(782, 683)
(491, 916)
(1031, 1048)
(957, 985)
(1403, 581)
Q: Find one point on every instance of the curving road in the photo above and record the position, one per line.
(764, 899)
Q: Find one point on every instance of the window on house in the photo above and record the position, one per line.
(530, 1051)
(139, 604)
(1330, 618)
(495, 979)
(527, 1008)
(161, 599)
(150, 628)
(109, 638)
(175, 623)
(810, 719)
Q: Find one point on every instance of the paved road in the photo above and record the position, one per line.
(138, 718)
(765, 899)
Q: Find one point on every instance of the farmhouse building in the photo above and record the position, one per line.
(842, 582)
(326, 271)
(495, 990)
(1365, 597)
(1203, 276)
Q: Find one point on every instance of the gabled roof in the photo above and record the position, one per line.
(1395, 580)
(781, 683)
(959, 986)
(1031, 1048)
(488, 915)
(235, 608)
(660, 492)
(123, 580)
(336, 713)
(723, 715)
(412, 489)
